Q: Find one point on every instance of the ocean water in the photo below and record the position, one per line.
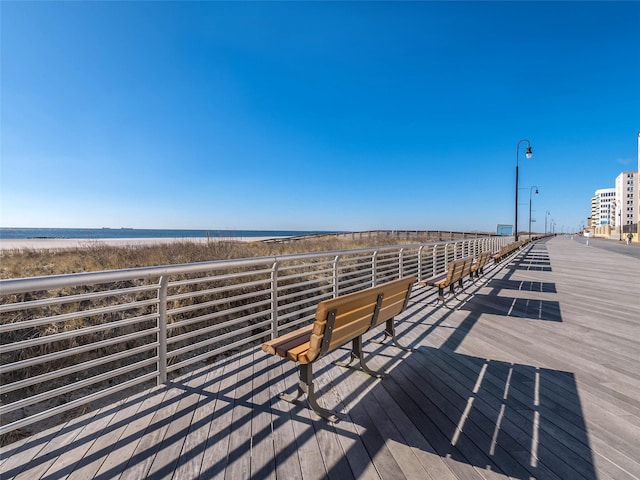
(92, 233)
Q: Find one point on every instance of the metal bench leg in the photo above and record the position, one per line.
(440, 296)
(356, 353)
(357, 346)
(353, 355)
(390, 332)
(305, 386)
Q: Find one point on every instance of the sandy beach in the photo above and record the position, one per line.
(61, 243)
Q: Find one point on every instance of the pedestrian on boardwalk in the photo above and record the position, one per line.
(629, 237)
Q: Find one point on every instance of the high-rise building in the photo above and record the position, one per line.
(626, 202)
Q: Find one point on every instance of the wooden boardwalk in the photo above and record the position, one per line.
(534, 373)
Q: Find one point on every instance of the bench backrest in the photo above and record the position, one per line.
(483, 259)
(458, 269)
(396, 297)
(341, 319)
(466, 267)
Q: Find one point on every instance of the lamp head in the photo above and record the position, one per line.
(536, 191)
(529, 153)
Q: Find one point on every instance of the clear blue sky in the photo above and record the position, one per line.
(313, 115)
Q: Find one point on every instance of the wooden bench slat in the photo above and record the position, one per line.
(301, 335)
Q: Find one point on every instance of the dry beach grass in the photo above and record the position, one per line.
(93, 256)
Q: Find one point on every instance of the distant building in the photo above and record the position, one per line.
(503, 229)
(636, 237)
(615, 212)
(604, 207)
(594, 212)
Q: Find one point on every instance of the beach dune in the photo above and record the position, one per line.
(61, 243)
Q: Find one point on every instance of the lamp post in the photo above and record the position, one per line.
(546, 214)
(528, 154)
(620, 222)
(530, 191)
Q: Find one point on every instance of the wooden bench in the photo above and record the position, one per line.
(457, 270)
(477, 268)
(507, 250)
(338, 321)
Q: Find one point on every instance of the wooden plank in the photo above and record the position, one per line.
(506, 420)
(434, 466)
(262, 437)
(50, 453)
(171, 447)
(136, 449)
(406, 394)
(302, 419)
(284, 342)
(214, 460)
(67, 461)
(205, 384)
(238, 462)
(130, 410)
(16, 456)
(381, 437)
(286, 455)
(349, 432)
(464, 438)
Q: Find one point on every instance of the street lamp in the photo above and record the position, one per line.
(620, 222)
(528, 154)
(530, 191)
(546, 214)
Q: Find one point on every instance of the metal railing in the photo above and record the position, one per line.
(69, 340)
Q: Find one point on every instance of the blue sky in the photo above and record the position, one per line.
(313, 115)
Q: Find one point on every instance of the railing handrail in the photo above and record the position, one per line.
(19, 285)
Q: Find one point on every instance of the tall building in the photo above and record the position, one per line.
(626, 202)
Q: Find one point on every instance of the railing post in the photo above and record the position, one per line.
(374, 268)
(400, 265)
(274, 300)
(162, 330)
(420, 262)
(336, 288)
